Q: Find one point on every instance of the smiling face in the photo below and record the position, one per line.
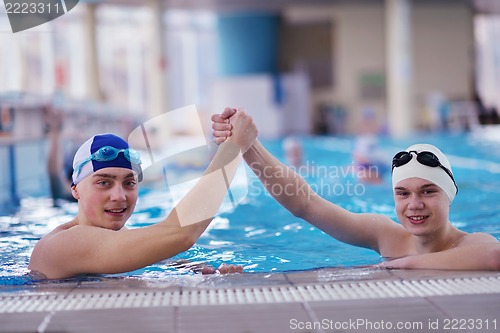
(422, 207)
(107, 198)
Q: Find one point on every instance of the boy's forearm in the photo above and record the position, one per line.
(283, 183)
(477, 257)
(198, 207)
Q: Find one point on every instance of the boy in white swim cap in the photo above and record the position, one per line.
(106, 173)
(423, 186)
(427, 162)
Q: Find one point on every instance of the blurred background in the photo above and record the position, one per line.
(299, 67)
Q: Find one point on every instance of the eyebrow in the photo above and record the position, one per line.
(107, 175)
(421, 187)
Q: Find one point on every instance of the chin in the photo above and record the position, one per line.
(116, 225)
(419, 230)
(117, 228)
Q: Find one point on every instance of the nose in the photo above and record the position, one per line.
(415, 202)
(118, 193)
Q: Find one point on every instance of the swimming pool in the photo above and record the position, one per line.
(262, 236)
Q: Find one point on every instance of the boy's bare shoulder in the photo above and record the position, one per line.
(59, 229)
(477, 238)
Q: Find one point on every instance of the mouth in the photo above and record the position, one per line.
(417, 219)
(116, 211)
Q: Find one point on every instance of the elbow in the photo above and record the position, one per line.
(298, 207)
(299, 211)
(186, 241)
(302, 209)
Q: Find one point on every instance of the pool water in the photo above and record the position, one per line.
(264, 237)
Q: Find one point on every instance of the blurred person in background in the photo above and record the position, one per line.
(369, 160)
(59, 161)
(293, 151)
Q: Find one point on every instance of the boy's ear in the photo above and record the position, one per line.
(74, 192)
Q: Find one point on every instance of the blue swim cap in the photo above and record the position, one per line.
(87, 162)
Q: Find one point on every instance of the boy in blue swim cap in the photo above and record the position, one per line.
(423, 187)
(106, 174)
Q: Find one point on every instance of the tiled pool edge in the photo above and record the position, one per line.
(291, 287)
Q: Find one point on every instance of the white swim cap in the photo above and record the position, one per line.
(436, 175)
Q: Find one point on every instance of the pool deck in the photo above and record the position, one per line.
(361, 299)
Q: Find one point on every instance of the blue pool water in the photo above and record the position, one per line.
(261, 235)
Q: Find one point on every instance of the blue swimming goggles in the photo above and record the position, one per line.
(108, 153)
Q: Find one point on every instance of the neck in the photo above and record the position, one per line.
(81, 219)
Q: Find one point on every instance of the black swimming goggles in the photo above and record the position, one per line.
(424, 157)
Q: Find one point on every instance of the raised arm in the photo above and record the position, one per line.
(295, 194)
(81, 249)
